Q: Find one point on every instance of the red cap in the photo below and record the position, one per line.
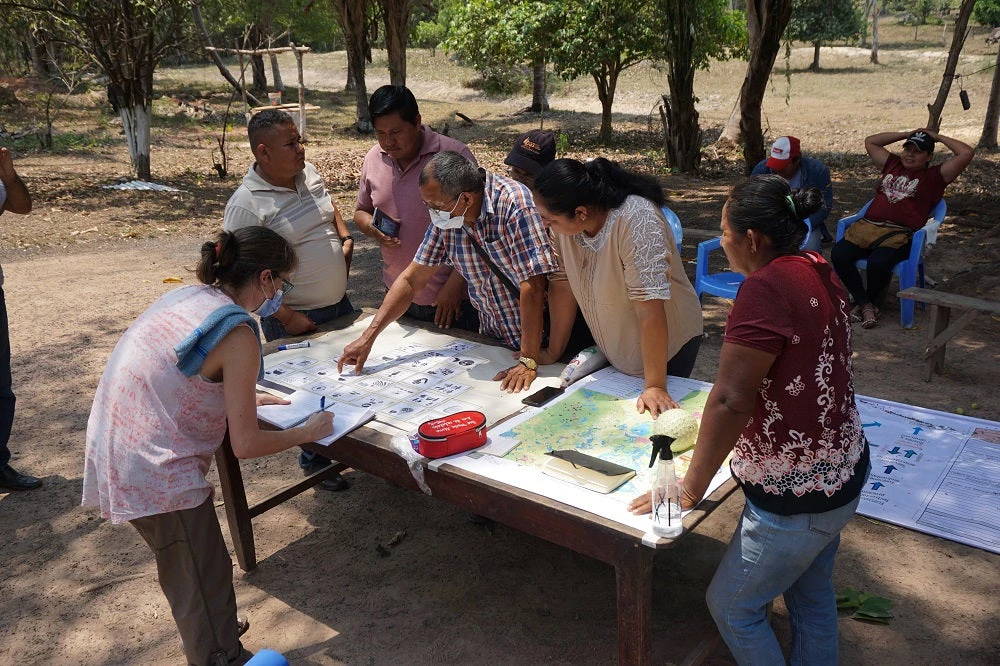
(785, 148)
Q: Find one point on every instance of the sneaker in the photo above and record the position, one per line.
(11, 479)
(333, 484)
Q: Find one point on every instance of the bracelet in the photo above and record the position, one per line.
(348, 237)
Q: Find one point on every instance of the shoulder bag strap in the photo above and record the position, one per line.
(507, 282)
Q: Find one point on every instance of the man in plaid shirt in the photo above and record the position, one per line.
(487, 228)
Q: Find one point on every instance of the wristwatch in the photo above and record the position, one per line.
(529, 363)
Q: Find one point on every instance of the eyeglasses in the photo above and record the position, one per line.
(286, 286)
(445, 206)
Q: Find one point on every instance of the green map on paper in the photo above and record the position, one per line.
(598, 424)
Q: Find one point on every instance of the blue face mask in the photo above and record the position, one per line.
(270, 305)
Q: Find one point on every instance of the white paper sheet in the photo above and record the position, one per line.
(304, 404)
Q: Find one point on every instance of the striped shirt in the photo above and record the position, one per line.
(511, 232)
(305, 218)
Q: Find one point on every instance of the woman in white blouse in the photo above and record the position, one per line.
(623, 270)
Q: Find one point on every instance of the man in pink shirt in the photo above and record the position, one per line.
(389, 183)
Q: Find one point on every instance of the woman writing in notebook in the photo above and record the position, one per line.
(182, 371)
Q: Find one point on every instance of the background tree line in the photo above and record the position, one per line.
(507, 41)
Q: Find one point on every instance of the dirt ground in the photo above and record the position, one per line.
(77, 590)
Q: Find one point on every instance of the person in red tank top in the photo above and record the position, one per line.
(904, 197)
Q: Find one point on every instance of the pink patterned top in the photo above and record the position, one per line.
(152, 431)
(803, 450)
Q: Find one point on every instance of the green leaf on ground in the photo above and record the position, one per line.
(867, 607)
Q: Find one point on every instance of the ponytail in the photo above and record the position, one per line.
(236, 257)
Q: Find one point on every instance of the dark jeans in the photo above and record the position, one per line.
(467, 320)
(273, 330)
(682, 363)
(881, 261)
(6, 390)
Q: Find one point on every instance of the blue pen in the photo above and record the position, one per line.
(322, 403)
(322, 408)
(294, 345)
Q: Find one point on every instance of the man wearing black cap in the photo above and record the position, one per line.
(529, 156)
(906, 193)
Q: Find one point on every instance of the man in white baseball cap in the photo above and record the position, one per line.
(787, 161)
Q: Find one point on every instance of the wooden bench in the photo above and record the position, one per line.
(940, 332)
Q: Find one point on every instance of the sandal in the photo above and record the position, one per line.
(869, 316)
(856, 317)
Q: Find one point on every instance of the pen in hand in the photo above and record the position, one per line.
(322, 408)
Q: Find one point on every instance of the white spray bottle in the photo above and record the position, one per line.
(665, 493)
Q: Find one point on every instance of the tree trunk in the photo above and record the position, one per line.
(606, 81)
(353, 20)
(989, 136)
(957, 42)
(259, 84)
(814, 67)
(682, 136)
(36, 53)
(766, 22)
(875, 13)
(279, 85)
(397, 19)
(214, 55)
(352, 81)
(539, 101)
(136, 121)
(731, 133)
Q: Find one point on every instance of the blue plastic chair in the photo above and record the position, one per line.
(267, 658)
(675, 226)
(910, 271)
(723, 283)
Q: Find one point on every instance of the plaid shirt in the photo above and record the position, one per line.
(510, 230)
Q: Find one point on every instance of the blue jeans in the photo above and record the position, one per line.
(273, 330)
(771, 554)
(6, 384)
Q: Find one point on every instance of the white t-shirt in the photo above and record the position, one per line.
(305, 218)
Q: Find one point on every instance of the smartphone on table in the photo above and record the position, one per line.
(542, 396)
(385, 224)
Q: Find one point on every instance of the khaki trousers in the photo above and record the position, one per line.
(196, 575)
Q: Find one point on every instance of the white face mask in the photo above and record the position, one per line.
(443, 219)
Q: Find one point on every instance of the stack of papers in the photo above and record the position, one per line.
(346, 418)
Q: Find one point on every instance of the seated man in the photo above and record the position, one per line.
(283, 192)
(389, 182)
(486, 227)
(904, 197)
(801, 172)
(14, 197)
(530, 154)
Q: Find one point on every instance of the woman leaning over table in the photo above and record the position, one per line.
(182, 370)
(622, 269)
(783, 404)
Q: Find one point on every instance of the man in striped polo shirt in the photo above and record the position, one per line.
(487, 228)
(283, 192)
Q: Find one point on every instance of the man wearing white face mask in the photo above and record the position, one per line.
(487, 228)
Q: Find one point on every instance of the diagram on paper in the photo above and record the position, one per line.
(404, 387)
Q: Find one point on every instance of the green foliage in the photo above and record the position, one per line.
(987, 13)
(825, 21)
(228, 20)
(428, 34)
(866, 607)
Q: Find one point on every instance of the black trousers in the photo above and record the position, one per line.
(881, 261)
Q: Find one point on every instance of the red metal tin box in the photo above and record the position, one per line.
(451, 434)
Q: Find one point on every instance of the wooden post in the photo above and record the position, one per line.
(243, 85)
(302, 90)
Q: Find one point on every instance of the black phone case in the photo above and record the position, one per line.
(542, 396)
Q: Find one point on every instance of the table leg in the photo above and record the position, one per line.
(634, 573)
(940, 316)
(237, 509)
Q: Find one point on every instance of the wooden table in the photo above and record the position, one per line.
(368, 450)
